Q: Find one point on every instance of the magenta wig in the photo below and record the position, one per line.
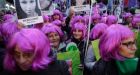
(80, 26)
(127, 15)
(96, 16)
(111, 40)
(111, 19)
(86, 18)
(29, 40)
(98, 30)
(52, 28)
(8, 29)
(103, 20)
(46, 18)
(137, 15)
(8, 17)
(135, 21)
(77, 19)
(57, 23)
(57, 12)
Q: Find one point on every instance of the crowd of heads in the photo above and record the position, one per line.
(34, 44)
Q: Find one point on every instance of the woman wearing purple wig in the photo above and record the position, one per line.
(28, 53)
(55, 36)
(57, 15)
(117, 49)
(127, 19)
(91, 54)
(78, 31)
(111, 19)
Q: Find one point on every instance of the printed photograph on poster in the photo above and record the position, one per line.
(2, 4)
(28, 11)
(47, 6)
(77, 2)
(62, 5)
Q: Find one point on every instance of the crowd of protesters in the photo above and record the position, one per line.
(33, 49)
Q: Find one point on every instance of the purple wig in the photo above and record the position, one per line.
(77, 19)
(57, 12)
(86, 17)
(111, 19)
(80, 26)
(29, 40)
(111, 40)
(135, 21)
(52, 28)
(8, 29)
(96, 16)
(103, 19)
(137, 15)
(46, 18)
(8, 18)
(57, 23)
(98, 30)
(127, 15)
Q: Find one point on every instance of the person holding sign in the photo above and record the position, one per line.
(27, 8)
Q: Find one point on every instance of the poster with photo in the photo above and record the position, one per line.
(81, 7)
(47, 6)
(62, 5)
(2, 4)
(28, 11)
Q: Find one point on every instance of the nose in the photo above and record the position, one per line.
(54, 37)
(22, 60)
(134, 47)
(28, 6)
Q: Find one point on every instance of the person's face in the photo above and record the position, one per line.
(44, 3)
(23, 59)
(28, 6)
(80, 21)
(96, 21)
(128, 48)
(56, 17)
(138, 24)
(77, 34)
(129, 19)
(54, 39)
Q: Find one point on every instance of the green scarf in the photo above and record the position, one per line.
(128, 66)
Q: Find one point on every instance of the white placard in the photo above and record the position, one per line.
(31, 20)
(81, 8)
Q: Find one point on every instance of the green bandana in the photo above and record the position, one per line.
(128, 66)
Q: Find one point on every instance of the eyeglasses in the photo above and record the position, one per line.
(129, 44)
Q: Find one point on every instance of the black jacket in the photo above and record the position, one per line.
(54, 68)
(109, 68)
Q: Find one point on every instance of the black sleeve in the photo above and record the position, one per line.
(64, 68)
(98, 68)
(138, 68)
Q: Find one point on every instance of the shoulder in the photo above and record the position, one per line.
(57, 67)
(105, 68)
(138, 67)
